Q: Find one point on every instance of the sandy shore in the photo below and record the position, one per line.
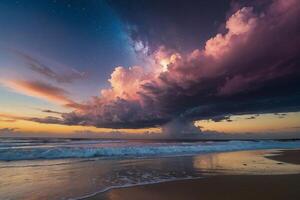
(223, 187)
(289, 156)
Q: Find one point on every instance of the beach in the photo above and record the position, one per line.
(233, 187)
(67, 169)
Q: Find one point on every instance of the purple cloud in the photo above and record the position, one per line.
(252, 68)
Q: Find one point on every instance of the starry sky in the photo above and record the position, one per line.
(143, 68)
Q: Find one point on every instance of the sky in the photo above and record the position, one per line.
(150, 69)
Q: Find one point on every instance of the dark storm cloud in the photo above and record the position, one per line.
(118, 114)
(252, 68)
(176, 24)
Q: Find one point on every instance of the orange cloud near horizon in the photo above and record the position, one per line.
(43, 91)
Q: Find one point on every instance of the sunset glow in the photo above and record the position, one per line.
(149, 99)
(232, 81)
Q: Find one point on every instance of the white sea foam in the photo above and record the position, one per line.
(88, 149)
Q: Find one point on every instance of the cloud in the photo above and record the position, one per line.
(8, 120)
(41, 90)
(280, 115)
(252, 68)
(51, 111)
(214, 135)
(295, 127)
(252, 117)
(221, 118)
(179, 127)
(4, 131)
(177, 25)
(48, 120)
(37, 66)
(11, 117)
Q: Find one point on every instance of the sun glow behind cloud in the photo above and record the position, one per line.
(264, 123)
(24, 127)
(237, 71)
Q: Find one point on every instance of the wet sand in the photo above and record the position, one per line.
(233, 187)
(288, 156)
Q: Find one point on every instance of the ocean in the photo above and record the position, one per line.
(78, 168)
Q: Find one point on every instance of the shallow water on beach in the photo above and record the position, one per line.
(75, 178)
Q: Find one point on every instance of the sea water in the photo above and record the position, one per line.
(74, 169)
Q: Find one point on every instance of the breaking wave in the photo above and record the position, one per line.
(104, 149)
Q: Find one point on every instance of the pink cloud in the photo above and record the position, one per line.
(259, 50)
(42, 90)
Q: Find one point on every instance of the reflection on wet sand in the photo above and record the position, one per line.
(54, 179)
(244, 162)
